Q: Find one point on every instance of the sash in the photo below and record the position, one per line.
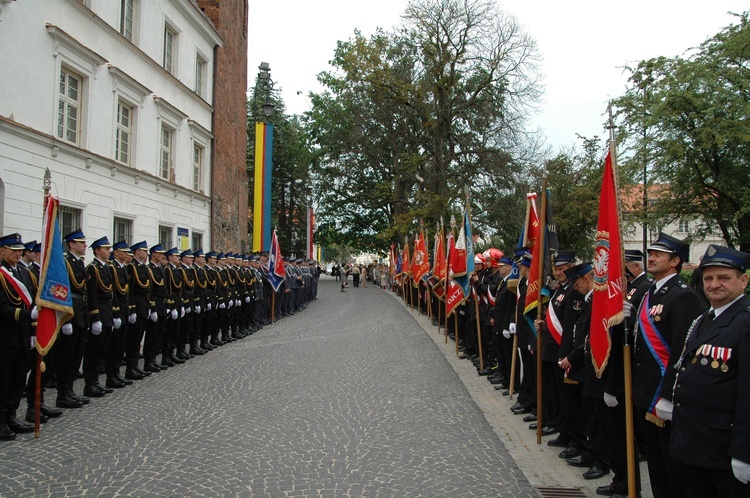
(18, 286)
(490, 297)
(659, 350)
(553, 324)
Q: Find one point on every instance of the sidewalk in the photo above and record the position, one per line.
(539, 463)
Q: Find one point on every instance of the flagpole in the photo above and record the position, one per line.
(540, 253)
(476, 299)
(46, 187)
(514, 353)
(626, 353)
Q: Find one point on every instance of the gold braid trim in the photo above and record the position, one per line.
(221, 281)
(153, 278)
(198, 279)
(104, 288)
(175, 285)
(138, 280)
(75, 283)
(122, 290)
(229, 277)
(188, 283)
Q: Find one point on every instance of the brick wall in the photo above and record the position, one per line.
(229, 174)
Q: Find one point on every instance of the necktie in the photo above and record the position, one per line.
(707, 321)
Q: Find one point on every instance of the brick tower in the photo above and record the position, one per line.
(229, 172)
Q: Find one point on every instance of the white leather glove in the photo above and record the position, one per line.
(153, 316)
(174, 314)
(741, 470)
(132, 318)
(67, 329)
(182, 312)
(222, 306)
(34, 313)
(117, 323)
(198, 309)
(247, 299)
(149, 312)
(609, 400)
(512, 328)
(231, 303)
(664, 409)
(237, 303)
(628, 310)
(188, 309)
(506, 333)
(96, 327)
(208, 306)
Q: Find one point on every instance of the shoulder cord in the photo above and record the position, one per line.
(15, 301)
(122, 290)
(153, 278)
(201, 285)
(75, 283)
(189, 284)
(107, 289)
(138, 280)
(175, 285)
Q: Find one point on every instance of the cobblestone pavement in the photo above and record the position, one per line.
(348, 398)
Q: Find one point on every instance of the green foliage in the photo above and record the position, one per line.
(687, 119)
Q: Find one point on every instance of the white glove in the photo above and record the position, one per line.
(96, 327)
(173, 314)
(231, 303)
(153, 316)
(247, 299)
(117, 323)
(198, 309)
(34, 313)
(208, 306)
(188, 309)
(664, 409)
(512, 328)
(132, 318)
(222, 306)
(182, 311)
(237, 303)
(628, 310)
(67, 329)
(149, 312)
(506, 333)
(609, 400)
(741, 470)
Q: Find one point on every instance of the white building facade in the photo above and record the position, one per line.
(115, 98)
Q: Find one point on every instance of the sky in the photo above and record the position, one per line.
(584, 44)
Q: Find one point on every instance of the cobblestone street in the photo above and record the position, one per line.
(348, 398)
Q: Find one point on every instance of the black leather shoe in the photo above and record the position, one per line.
(67, 401)
(580, 461)
(93, 392)
(133, 375)
(105, 389)
(197, 351)
(122, 379)
(182, 355)
(607, 490)
(30, 417)
(50, 411)
(569, 452)
(113, 383)
(521, 409)
(5, 433)
(595, 472)
(548, 431)
(533, 426)
(558, 442)
(495, 381)
(151, 368)
(83, 398)
(19, 427)
(530, 418)
(145, 374)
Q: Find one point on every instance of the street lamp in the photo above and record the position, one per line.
(263, 162)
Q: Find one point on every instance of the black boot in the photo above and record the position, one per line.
(5, 433)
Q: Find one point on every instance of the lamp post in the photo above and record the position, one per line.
(263, 161)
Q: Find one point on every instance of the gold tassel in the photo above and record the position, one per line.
(655, 420)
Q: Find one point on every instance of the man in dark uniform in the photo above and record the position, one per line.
(527, 387)
(664, 317)
(493, 279)
(212, 305)
(72, 339)
(259, 311)
(99, 289)
(201, 300)
(140, 301)
(120, 308)
(503, 316)
(175, 309)
(17, 312)
(156, 327)
(184, 350)
(551, 327)
(710, 440)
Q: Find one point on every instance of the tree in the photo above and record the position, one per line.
(696, 113)
(411, 117)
